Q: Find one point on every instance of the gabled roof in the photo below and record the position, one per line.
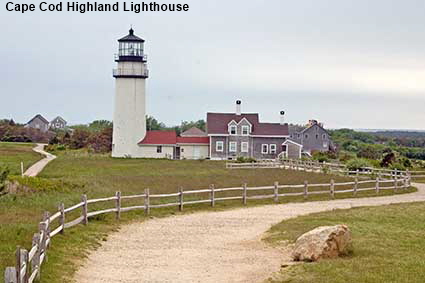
(131, 37)
(60, 118)
(39, 117)
(193, 140)
(160, 138)
(291, 141)
(217, 123)
(311, 126)
(193, 132)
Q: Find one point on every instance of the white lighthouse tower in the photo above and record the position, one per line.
(130, 97)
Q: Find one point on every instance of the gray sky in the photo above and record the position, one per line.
(348, 63)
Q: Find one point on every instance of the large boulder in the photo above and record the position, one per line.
(322, 242)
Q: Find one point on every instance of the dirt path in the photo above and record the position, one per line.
(207, 246)
(37, 167)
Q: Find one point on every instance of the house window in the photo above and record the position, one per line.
(324, 136)
(244, 146)
(245, 130)
(219, 146)
(264, 148)
(159, 149)
(306, 136)
(317, 136)
(272, 148)
(232, 130)
(232, 147)
(181, 149)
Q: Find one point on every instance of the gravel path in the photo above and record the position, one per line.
(37, 167)
(207, 246)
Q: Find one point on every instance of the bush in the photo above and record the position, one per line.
(242, 159)
(357, 163)
(345, 156)
(320, 156)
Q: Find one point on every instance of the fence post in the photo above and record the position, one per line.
(35, 263)
(62, 217)
(276, 191)
(180, 199)
(147, 208)
(332, 188)
(84, 209)
(212, 195)
(18, 265)
(43, 230)
(22, 169)
(305, 189)
(118, 205)
(395, 183)
(377, 186)
(10, 275)
(356, 186)
(244, 194)
(24, 257)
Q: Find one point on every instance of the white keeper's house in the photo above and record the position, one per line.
(227, 136)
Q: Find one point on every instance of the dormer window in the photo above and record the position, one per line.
(245, 130)
(232, 129)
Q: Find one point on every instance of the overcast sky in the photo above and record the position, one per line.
(347, 63)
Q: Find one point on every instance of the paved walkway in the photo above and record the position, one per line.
(37, 167)
(220, 246)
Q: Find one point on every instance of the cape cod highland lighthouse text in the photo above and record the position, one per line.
(83, 7)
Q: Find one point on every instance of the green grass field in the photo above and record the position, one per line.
(388, 245)
(76, 172)
(12, 154)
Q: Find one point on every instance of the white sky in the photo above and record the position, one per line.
(348, 63)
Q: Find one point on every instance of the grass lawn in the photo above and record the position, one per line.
(74, 173)
(12, 154)
(388, 245)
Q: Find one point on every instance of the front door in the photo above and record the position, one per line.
(177, 152)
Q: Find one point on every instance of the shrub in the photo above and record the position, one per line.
(357, 163)
(345, 156)
(320, 156)
(242, 159)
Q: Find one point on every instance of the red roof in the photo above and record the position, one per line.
(160, 137)
(217, 123)
(204, 140)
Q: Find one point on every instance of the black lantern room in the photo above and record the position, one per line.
(131, 48)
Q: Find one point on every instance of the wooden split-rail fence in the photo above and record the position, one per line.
(28, 262)
(325, 167)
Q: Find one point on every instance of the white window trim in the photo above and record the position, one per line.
(231, 144)
(219, 144)
(247, 132)
(272, 151)
(266, 146)
(242, 146)
(230, 130)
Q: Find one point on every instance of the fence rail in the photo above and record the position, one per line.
(28, 263)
